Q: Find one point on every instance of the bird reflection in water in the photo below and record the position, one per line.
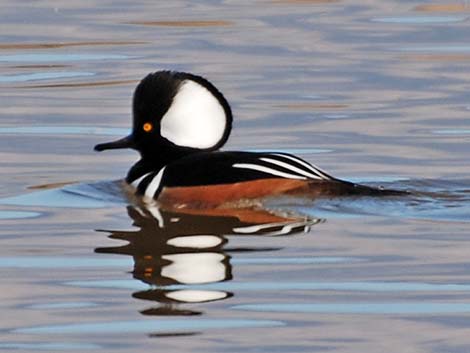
(190, 247)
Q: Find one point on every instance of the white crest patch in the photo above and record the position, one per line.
(195, 119)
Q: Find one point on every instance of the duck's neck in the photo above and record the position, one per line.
(153, 162)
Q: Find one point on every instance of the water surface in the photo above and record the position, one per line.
(375, 92)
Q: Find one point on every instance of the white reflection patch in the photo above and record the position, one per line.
(195, 242)
(195, 268)
(196, 296)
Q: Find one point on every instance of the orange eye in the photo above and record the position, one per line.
(147, 127)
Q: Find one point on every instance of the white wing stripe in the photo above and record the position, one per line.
(263, 169)
(154, 184)
(136, 182)
(291, 167)
(311, 167)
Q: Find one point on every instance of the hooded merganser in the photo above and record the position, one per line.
(180, 120)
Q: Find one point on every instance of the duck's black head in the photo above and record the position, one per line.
(175, 114)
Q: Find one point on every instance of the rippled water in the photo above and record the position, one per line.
(375, 92)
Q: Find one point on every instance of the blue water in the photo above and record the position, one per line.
(64, 130)
(363, 308)
(375, 93)
(42, 76)
(146, 326)
(47, 57)
(5, 214)
(421, 19)
(48, 347)
(290, 286)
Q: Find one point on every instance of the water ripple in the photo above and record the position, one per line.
(61, 130)
(286, 286)
(62, 262)
(43, 76)
(43, 346)
(361, 308)
(420, 19)
(45, 57)
(452, 48)
(18, 214)
(147, 326)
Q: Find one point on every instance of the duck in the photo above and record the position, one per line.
(180, 122)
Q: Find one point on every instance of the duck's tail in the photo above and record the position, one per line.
(338, 188)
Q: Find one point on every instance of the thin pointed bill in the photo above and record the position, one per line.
(125, 142)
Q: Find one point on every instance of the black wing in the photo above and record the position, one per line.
(232, 167)
(214, 168)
